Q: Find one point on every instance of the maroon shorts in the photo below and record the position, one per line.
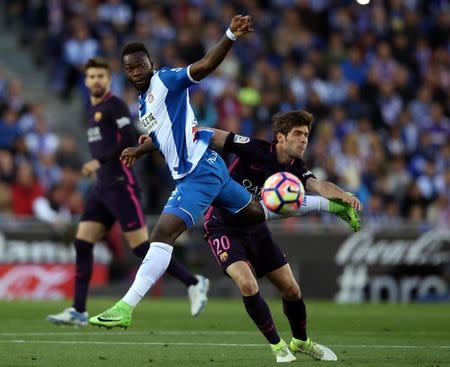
(108, 204)
(254, 244)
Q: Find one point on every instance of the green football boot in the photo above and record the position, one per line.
(118, 315)
(317, 351)
(346, 213)
(282, 352)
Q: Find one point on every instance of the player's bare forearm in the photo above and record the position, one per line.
(325, 189)
(145, 148)
(239, 26)
(219, 138)
(211, 60)
(131, 154)
(329, 190)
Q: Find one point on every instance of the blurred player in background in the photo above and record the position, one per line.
(113, 197)
(239, 248)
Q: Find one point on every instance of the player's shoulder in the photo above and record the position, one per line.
(167, 76)
(246, 147)
(167, 71)
(162, 70)
(242, 139)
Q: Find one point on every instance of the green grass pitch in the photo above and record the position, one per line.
(164, 334)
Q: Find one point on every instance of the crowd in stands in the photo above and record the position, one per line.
(375, 77)
(39, 171)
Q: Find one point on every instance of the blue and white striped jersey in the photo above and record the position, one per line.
(166, 115)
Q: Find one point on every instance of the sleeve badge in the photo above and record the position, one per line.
(239, 139)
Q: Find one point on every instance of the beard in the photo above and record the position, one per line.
(98, 92)
(295, 153)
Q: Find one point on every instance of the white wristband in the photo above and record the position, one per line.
(231, 35)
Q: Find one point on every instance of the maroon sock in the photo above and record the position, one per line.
(175, 268)
(141, 250)
(258, 310)
(295, 312)
(180, 272)
(83, 270)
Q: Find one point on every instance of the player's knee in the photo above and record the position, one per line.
(90, 232)
(247, 286)
(291, 292)
(167, 231)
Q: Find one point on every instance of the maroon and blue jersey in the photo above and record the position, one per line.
(255, 161)
(110, 131)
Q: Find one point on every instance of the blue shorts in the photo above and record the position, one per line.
(208, 182)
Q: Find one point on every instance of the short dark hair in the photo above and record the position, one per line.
(284, 122)
(133, 47)
(97, 62)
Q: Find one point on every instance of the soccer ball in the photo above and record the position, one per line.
(283, 193)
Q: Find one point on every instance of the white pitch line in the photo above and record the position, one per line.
(21, 341)
(90, 331)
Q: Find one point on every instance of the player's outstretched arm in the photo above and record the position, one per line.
(329, 190)
(239, 26)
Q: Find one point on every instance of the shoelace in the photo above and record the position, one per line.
(312, 349)
(113, 312)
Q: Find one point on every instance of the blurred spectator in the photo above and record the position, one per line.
(25, 190)
(353, 67)
(437, 125)
(77, 51)
(47, 171)
(383, 65)
(52, 208)
(9, 129)
(375, 209)
(15, 98)
(336, 90)
(117, 14)
(7, 167)
(390, 104)
(349, 164)
(439, 212)
(41, 140)
(398, 177)
(355, 106)
(376, 78)
(67, 154)
(420, 107)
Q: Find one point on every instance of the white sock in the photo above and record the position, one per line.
(314, 204)
(311, 204)
(153, 266)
